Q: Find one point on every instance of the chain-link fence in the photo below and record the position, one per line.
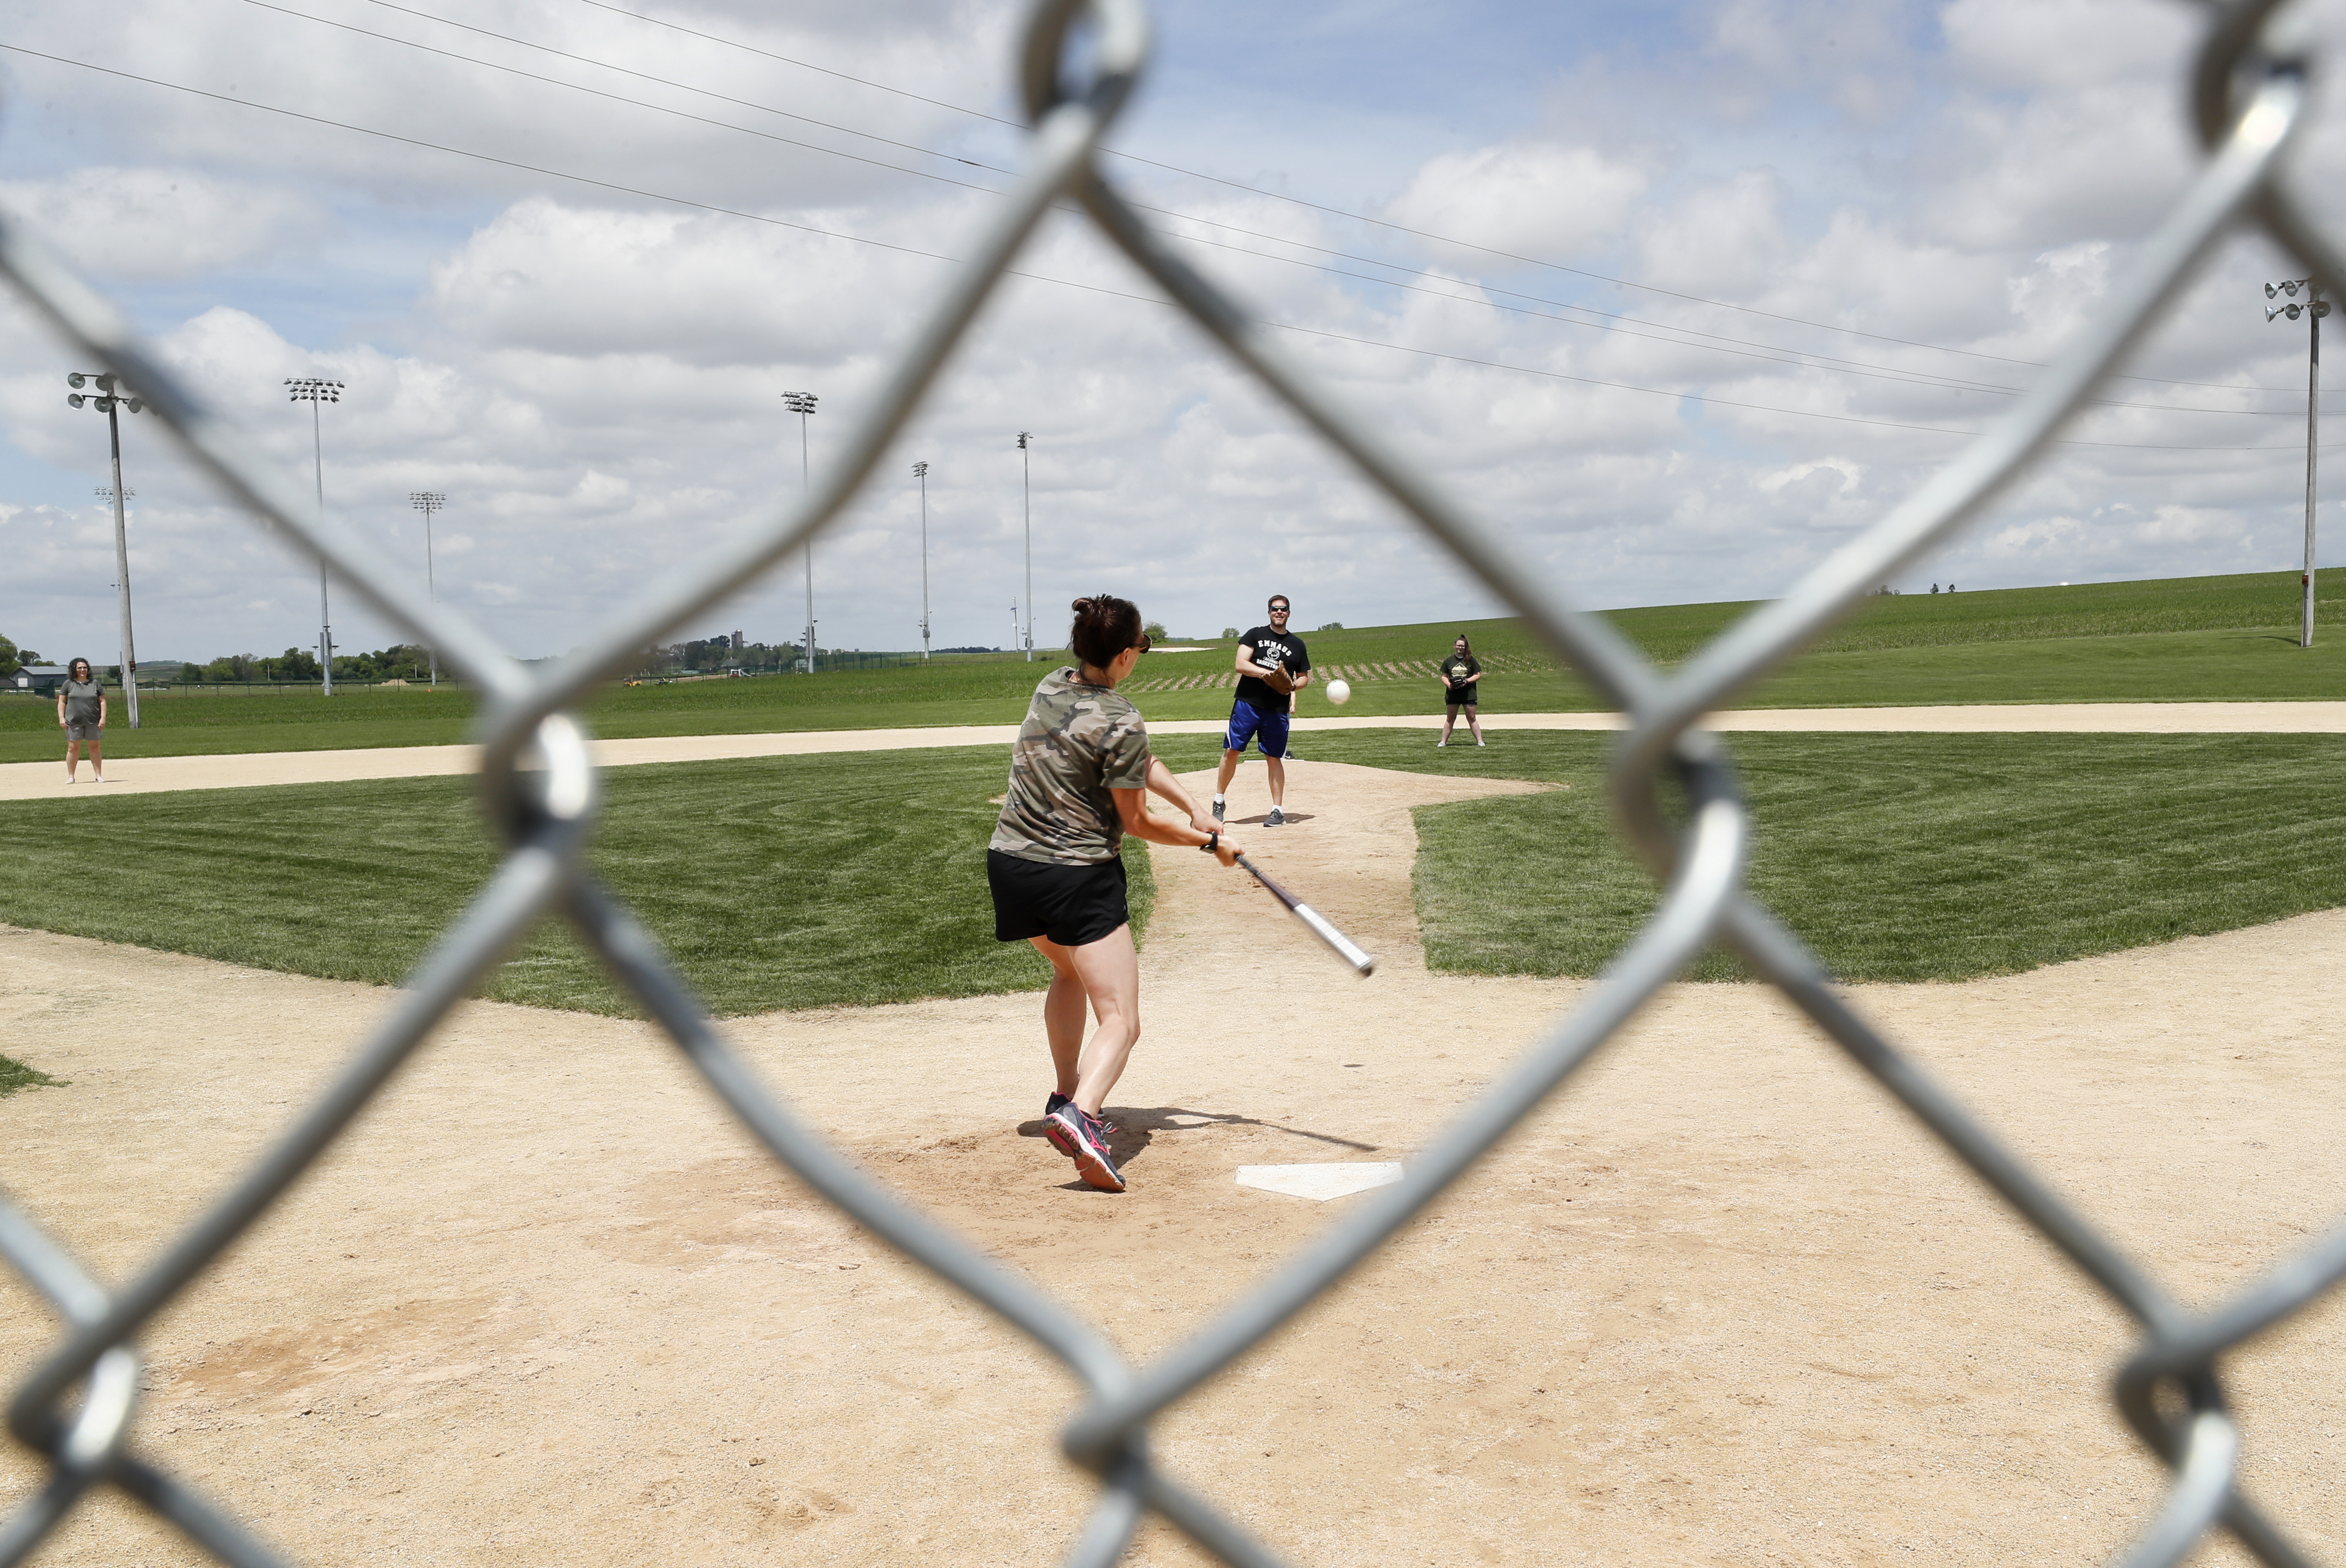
(1672, 784)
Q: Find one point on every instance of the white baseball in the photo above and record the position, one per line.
(1340, 692)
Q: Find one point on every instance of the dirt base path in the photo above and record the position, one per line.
(1719, 1303)
(46, 780)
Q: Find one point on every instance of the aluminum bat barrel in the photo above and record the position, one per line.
(1343, 946)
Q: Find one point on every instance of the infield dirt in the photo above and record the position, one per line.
(1719, 1301)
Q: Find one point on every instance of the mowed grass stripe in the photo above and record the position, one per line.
(775, 883)
(1912, 858)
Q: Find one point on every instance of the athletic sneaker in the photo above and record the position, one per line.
(1482, 743)
(1440, 744)
(1218, 805)
(1278, 819)
(1093, 1163)
(1059, 1137)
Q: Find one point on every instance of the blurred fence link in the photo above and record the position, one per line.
(1080, 61)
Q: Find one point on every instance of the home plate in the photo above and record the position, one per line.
(1322, 1182)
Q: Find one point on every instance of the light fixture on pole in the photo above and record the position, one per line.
(921, 472)
(110, 403)
(313, 392)
(2313, 304)
(429, 501)
(1026, 478)
(803, 405)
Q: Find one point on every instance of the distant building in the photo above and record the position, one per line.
(42, 678)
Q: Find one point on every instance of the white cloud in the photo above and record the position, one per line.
(162, 223)
(1535, 199)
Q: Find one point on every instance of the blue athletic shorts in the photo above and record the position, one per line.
(1248, 722)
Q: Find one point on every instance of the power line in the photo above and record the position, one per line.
(639, 103)
(1708, 343)
(1040, 277)
(1363, 218)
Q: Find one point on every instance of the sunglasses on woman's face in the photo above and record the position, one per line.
(1143, 643)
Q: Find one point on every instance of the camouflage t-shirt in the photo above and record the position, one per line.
(1079, 741)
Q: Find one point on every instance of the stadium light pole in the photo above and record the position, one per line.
(428, 501)
(803, 405)
(313, 392)
(2313, 304)
(109, 402)
(921, 472)
(1026, 478)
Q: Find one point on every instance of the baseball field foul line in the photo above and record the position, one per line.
(45, 780)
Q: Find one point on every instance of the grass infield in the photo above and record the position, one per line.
(1896, 857)
(791, 882)
(2175, 640)
(853, 878)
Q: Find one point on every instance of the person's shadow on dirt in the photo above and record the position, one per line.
(1289, 820)
(1137, 1127)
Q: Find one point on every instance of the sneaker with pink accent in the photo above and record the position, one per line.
(1093, 1163)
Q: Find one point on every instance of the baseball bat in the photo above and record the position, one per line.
(1343, 946)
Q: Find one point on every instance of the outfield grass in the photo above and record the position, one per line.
(2181, 639)
(1897, 857)
(790, 882)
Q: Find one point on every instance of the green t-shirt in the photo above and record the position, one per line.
(1456, 668)
(1079, 741)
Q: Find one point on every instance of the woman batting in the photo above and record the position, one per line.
(1462, 678)
(81, 713)
(1080, 776)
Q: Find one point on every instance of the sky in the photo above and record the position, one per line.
(1680, 295)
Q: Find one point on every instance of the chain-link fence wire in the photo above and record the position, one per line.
(1673, 789)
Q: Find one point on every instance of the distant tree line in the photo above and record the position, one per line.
(402, 661)
(715, 656)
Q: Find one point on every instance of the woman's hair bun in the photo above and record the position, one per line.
(1104, 626)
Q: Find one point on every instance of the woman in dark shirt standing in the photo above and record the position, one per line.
(81, 713)
(1081, 773)
(1462, 680)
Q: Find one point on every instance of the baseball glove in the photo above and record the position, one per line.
(1280, 681)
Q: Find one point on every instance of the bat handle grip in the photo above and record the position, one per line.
(1344, 946)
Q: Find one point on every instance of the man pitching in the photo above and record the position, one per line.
(1272, 666)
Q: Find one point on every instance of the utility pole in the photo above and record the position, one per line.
(108, 402)
(428, 501)
(1027, 476)
(803, 405)
(313, 392)
(921, 472)
(2317, 307)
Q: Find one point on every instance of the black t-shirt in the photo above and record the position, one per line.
(1454, 671)
(1283, 649)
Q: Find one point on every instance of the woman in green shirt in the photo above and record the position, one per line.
(81, 713)
(1461, 680)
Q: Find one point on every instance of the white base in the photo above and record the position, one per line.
(1321, 1182)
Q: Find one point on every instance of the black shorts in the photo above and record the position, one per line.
(1074, 906)
(1458, 697)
